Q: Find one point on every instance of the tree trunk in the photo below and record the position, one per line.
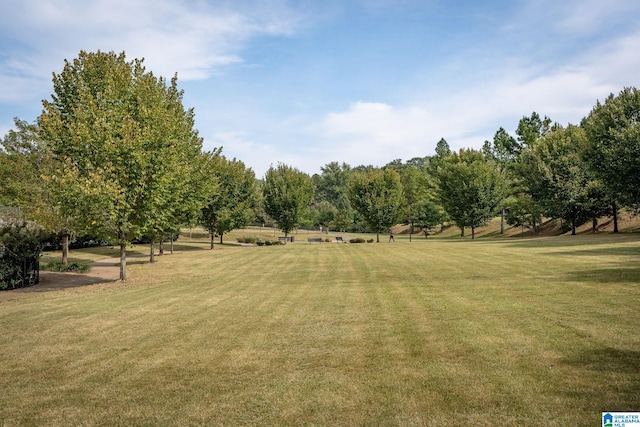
(171, 243)
(285, 237)
(65, 249)
(161, 246)
(473, 232)
(594, 225)
(377, 237)
(502, 221)
(573, 226)
(522, 230)
(220, 238)
(123, 262)
(462, 231)
(410, 231)
(615, 217)
(212, 237)
(151, 253)
(535, 227)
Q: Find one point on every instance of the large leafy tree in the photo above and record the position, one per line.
(331, 187)
(504, 151)
(124, 141)
(232, 205)
(25, 161)
(612, 148)
(287, 194)
(471, 188)
(557, 179)
(377, 195)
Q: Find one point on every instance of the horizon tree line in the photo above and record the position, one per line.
(115, 154)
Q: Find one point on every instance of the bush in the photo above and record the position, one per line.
(268, 242)
(356, 240)
(73, 267)
(260, 242)
(20, 251)
(247, 239)
(370, 241)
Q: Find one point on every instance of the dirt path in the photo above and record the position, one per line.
(105, 270)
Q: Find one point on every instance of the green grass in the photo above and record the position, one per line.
(535, 332)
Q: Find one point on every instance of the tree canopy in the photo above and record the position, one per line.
(377, 195)
(124, 142)
(287, 194)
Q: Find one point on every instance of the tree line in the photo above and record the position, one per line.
(115, 154)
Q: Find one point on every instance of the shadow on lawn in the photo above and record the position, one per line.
(587, 241)
(619, 370)
(622, 273)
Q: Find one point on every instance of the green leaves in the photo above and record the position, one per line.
(126, 145)
(377, 195)
(470, 187)
(287, 194)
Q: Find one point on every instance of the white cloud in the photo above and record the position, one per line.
(193, 38)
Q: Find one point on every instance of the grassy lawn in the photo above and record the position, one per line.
(531, 332)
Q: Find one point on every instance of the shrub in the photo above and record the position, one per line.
(268, 242)
(260, 242)
(370, 241)
(247, 239)
(20, 251)
(74, 267)
(328, 240)
(356, 240)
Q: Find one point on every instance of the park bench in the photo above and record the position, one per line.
(286, 239)
(340, 239)
(314, 239)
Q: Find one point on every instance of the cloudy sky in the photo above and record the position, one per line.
(308, 82)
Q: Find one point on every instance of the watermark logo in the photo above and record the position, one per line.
(621, 419)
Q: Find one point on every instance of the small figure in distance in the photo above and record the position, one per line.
(391, 238)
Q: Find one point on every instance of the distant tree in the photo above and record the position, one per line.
(532, 128)
(504, 150)
(612, 148)
(556, 178)
(523, 212)
(331, 186)
(287, 194)
(377, 195)
(232, 205)
(470, 188)
(123, 140)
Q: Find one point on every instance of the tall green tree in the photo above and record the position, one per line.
(471, 188)
(612, 148)
(287, 194)
(331, 187)
(25, 162)
(232, 205)
(377, 195)
(124, 141)
(504, 150)
(556, 178)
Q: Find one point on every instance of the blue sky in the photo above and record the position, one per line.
(362, 82)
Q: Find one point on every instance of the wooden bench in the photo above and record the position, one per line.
(314, 239)
(340, 239)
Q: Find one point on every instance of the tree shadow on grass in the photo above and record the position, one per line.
(619, 370)
(621, 274)
(587, 241)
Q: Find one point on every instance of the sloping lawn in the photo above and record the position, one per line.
(537, 332)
